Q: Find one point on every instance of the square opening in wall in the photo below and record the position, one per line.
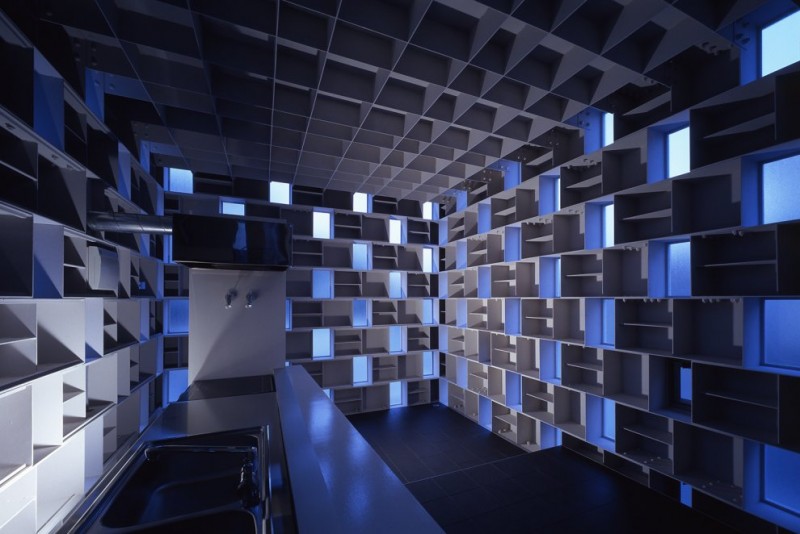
(678, 157)
(361, 256)
(780, 190)
(360, 369)
(231, 208)
(180, 180)
(280, 193)
(322, 225)
(361, 202)
(321, 343)
(779, 44)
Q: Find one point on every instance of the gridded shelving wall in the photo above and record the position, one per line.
(362, 312)
(642, 320)
(80, 311)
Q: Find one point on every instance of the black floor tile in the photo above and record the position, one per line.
(472, 481)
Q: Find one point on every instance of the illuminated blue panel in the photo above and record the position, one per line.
(781, 474)
(288, 314)
(322, 225)
(557, 275)
(360, 312)
(232, 208)
(178, 316)
(321, 284)
(361, 256)
(608, 128)
(558, 362)
(779, 44)
(427, 260)
(168, 249)
(395, 394)
(679, 282)
(427, 311)
(361, 202)
(180, 181)
(395, 339)
(360, 369)
(686, 494)
(607, 333)
(280, 193)
(484, 217)
(678, 156)
(609, 419)
(427, 363)
(512, 317)
(428, 210)
(321, 343)
(780, 190)
(608, 225)
(781, 335)
(511, 246)
(686, 384)
(395, 231)
(177, 382)
(396, 285)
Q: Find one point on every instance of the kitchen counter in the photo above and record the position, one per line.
(336, 481)
(339, 483)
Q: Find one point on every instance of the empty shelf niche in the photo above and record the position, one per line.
(582, 275)
(582, 368)
(644, 326)
(645, 438)
(537, 318)
(538, 399)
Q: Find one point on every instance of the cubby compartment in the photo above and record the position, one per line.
(644, 326)
(348, 342)
(537, 318)
(744, 403)
(692, 211)
(421, 338)
(347, 284)
(582, 368)
(478, 346)
(347, 225)
(759, 261)
(337, 373)
(374, 229)
(504, 351)
(645, 438)
(418, 392)
(421, 285)
(299, 283)
(580, 183)
(625, 272)
(646, 215)
(348, 400)
(504, 422)
(626, 378)
(582, 275)
(16, 432)
(538, 399)
(375, 397)
(503, 209)
(478, 378)
(421, 232)
(18, 354)
(570, 411)
(696, 320)
(537, 238)
(568, 232)
(455, 398)
(623, 169)
(16, 249)
(569, 320)
(384, 257)
(306, 253)
(709, 461)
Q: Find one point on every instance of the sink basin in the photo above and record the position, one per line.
(189, 485)
(239, 521)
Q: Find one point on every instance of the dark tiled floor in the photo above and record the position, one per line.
(470, 480)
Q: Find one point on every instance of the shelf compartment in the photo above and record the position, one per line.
(537, 238)
(568, 232)
(570, 412)
(708, 461)
(644, 326)
(740, 402)
(537, 318)
(582, 275)
(582, 368)
(625, 378)
(580, 183)
(642, 216)
(625, 272)
(538, 399)
(645, 438)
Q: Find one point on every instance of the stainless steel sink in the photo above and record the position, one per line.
(189, 485)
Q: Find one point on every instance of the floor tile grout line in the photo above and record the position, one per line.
(462, 469)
